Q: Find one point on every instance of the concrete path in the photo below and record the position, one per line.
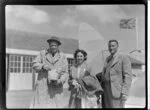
(22, 99)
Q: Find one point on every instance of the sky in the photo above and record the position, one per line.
(64, 20)
(91, 25)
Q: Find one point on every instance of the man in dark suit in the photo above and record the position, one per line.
(116, 78)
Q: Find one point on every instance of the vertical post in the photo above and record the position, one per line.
(7, 72)
(33, 80)
(21, 64)
(33, 76)
(6, 79)
(137, 37)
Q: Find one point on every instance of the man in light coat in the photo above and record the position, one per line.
(52, 68)
(116, 78)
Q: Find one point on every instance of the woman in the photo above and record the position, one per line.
(81, 78)
(52, 68)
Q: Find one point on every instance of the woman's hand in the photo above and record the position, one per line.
(76, 84)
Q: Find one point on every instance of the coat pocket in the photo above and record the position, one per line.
(116, 89)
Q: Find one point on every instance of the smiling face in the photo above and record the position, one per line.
(80, 58)
(54, 47)
(113, 47)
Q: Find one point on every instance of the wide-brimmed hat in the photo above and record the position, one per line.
(54, 38)
(90, 84)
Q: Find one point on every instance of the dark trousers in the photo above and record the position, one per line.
(74, 102)
(108, 101)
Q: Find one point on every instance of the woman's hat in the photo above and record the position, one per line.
(54, 38)
(91, 85)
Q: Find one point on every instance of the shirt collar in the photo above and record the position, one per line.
(47, 52)
(51, 59)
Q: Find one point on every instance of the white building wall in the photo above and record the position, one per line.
(20, 81)
(24, 81)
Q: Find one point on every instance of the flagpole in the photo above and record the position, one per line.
(137, 37)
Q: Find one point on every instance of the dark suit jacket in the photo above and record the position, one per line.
(120, 75)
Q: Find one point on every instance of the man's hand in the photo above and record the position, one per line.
(46, 67)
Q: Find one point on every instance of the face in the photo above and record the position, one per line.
(53, 46)
(80, 58)
(112, 47)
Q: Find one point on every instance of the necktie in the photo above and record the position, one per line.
(109, 59)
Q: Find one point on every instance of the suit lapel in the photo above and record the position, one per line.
(115, 60)
(49, 58)
(56, 57)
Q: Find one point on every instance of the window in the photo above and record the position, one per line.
(27, 64)
(23, 63)
(15, 63)
(20, 64)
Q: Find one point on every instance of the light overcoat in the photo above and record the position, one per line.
(48, 95)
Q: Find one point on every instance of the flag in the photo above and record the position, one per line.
(128, 23)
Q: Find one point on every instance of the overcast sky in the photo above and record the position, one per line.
(91, 25)
(67, 20)
(63, 19)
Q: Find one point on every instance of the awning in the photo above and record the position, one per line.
(136, 61)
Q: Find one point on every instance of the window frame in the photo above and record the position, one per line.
(26, 60)
(16, 64)
(14, 61)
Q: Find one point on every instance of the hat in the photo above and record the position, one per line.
(54, 38)
(91, 85)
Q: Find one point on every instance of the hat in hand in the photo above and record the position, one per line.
(90, 84)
